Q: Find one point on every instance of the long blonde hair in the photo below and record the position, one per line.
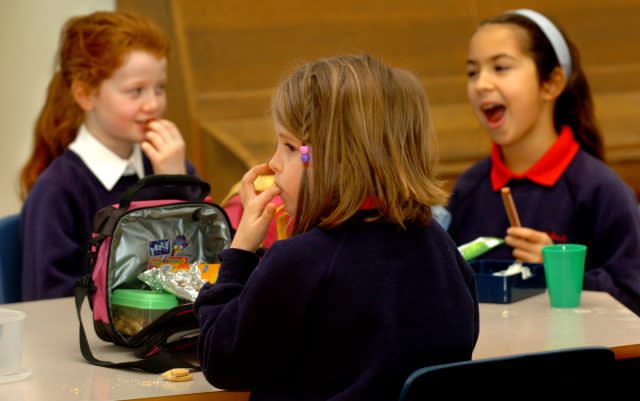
(370, 134)
(92, 47)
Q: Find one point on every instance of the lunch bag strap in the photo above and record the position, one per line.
(158, 363)
(166, 182)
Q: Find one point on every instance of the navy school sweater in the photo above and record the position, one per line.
(56, 224)
(340, 314)
(588, 205)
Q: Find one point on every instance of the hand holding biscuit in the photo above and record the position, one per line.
(258, 210)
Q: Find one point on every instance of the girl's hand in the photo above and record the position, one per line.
(165, 148)
(258, 210)
(527, 243)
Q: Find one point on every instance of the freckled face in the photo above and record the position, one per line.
(287, 167)
(126, 101)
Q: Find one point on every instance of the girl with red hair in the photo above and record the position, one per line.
(100, 130)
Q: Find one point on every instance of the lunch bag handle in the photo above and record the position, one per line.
(165, 181)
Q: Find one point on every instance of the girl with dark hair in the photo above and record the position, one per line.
(528, 89)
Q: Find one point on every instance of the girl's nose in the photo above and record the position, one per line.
(273, 163)
(483, 81)
(152, 102)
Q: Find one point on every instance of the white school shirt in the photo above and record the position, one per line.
(103, 163)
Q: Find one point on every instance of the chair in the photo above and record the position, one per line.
(627, 371)
(10, 259)
(573, 371)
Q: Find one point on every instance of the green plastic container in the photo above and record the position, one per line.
(478, 246)
(132, 310)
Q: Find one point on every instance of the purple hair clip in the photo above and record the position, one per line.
(305, 157)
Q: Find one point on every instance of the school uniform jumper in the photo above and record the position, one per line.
(570, 195)
(337, 314)
(57, 219)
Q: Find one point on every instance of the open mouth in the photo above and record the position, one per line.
(494, 114)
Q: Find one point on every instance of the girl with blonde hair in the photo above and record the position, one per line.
(368, 288)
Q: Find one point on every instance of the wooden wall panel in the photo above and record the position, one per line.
(235, 53)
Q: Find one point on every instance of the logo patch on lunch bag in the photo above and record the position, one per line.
(180, 245)
(160, 247)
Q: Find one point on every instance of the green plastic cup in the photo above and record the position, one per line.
(564, 272)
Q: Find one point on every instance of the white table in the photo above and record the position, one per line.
(531, 325)
(51, 348)
(59, 372)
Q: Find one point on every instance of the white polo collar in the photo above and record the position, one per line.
(103, 163)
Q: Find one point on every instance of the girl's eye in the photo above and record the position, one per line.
(290, 147)
(160, 89)
(502, 68)
(471, 73)
(136, 91)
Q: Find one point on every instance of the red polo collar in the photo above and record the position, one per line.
(369, 204)
(545, 171)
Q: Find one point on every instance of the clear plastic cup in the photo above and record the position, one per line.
(11, 332)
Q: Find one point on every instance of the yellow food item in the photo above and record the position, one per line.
(177, 372)
(129, 325)
(177, 375)
(181, 379)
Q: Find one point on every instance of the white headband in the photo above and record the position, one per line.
(552, 33)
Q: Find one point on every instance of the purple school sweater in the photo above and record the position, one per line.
(56, 224)
(589, 204)
(340, 314)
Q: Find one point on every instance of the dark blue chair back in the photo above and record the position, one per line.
(10, 260)
(568, 372)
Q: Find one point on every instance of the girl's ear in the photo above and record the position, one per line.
(83, 95)
(554, 86)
